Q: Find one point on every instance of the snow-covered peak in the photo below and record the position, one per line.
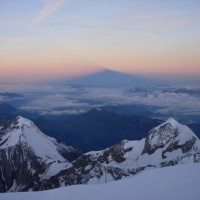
(170, 121)
(22, 131)
(23, 121)
(169, 137)
(172, 128)
(173, 122)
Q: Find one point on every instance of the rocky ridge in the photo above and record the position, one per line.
(168, 144)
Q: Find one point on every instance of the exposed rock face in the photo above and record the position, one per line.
(19, 168)
(27, 156)
(169, 144)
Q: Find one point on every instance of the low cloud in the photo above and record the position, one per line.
(49, 99)
(55, 104)
(74, 111)
(36, 88)
(170, 102)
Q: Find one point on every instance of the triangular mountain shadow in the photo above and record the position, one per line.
(109, 78)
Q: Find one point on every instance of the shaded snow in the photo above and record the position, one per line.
(42, 145)
(53, 169)
(67, 148)
(11, 138)
(170, 183)
(95, 153)
(133, 155)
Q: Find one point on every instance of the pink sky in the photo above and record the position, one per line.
(52, 39)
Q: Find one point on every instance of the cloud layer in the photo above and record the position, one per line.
(48, 99)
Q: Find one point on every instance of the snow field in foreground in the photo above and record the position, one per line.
(170, 183)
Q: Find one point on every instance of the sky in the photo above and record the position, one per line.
(51, 39)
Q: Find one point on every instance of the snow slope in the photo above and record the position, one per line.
(180, 182)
